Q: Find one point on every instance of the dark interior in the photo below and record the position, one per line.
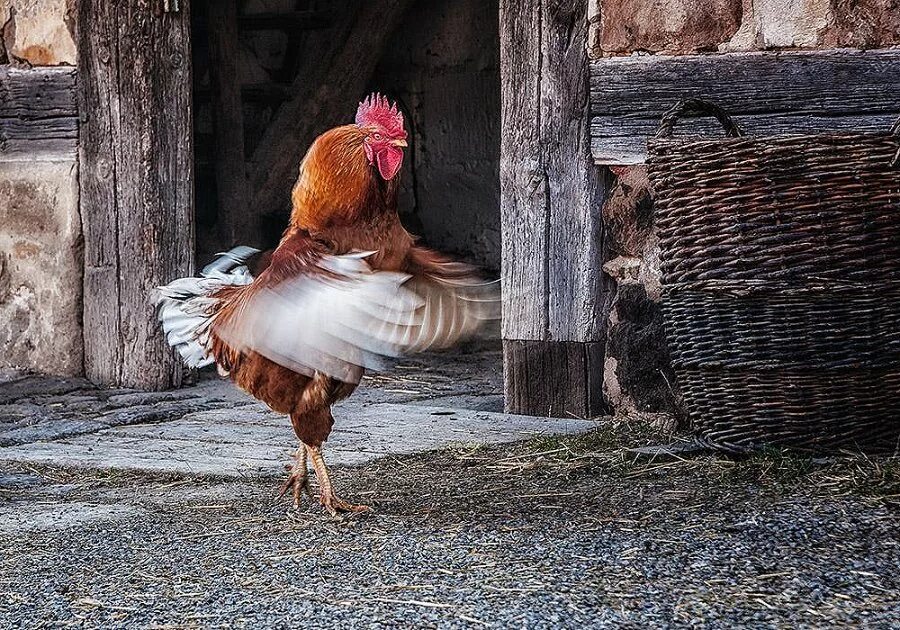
(442, 66)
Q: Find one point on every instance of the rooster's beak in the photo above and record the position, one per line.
(400, 143)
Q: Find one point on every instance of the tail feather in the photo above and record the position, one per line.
(186, 306)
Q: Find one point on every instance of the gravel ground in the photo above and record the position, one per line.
(568, 532)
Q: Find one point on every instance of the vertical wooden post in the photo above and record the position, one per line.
(136, 180)
(555, 294)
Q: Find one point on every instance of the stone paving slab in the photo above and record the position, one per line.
(44, 408)
(251, 441)
(34, 408)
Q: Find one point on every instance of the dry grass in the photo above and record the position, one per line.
(604, 453)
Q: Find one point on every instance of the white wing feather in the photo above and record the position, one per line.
(185, 308)
(355, 317)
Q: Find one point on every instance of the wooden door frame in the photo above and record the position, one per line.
(137, 204)
(136, 182)
(556, 297)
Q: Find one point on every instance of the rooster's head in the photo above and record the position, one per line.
(385, 136)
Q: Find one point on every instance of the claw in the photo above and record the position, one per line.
(329, 500)
(298, 480)
(334, 505)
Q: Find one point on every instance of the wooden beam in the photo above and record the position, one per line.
(41, 138)
(768, 93)
(556, 296)
(37, 92)
(136, 181)
(325, 94)
(235, 222)
(98, 96)
(38, 113)
(539, 372)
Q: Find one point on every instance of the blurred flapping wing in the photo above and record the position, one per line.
(336, 314)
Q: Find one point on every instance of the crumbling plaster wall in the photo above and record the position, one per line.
(40, 267)
(638, 377)
(41, 249)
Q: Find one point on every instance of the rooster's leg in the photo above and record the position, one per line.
(327, 497)
(298, 480)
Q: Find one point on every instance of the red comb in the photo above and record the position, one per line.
(377, 111)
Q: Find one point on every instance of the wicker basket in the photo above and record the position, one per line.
(781, 267)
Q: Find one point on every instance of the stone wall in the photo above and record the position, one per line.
(621, 27)
(638, 376)
(40, 227)
(37, 32)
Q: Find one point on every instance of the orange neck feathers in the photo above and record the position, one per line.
(337, 186)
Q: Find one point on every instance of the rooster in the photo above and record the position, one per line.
(346, 287)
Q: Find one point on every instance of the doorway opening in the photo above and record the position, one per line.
(441, 65)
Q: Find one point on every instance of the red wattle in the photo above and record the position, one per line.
(389, 161)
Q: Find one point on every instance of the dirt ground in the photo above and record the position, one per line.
(560, 532)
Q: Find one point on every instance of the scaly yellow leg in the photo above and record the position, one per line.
(327, 497)
(298, 480)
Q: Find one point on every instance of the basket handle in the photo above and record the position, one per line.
(696, 107)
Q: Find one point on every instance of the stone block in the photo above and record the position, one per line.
(40, 267)
(780, 24)
(669, 26)
(863, 24)
(638, 377)
(37, 31)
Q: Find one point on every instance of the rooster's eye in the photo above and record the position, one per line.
(377, 136)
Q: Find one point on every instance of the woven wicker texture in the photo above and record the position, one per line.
(781, 267)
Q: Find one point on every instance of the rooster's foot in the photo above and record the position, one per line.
(298, 479)
(335, 504)
(327, 497)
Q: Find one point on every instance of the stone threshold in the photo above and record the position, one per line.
(251, 441)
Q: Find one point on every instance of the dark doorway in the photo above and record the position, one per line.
(441, 64)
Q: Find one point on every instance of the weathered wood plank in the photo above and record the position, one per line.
(37, 92)
(551, 199)
(579, 290)
(41, 138)
(551, 192)
(538, 377)
(235, 223)
(98, 98)
(136, 184)
(38, 113)
(154, 181)
(768, 93)
(24, 129)
(524, 194)
(324, 95)
(52, 149)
